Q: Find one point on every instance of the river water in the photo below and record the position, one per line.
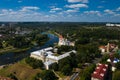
(9, 58)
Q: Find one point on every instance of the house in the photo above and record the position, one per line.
(63, 41)
(47, 56)
(108, 48)
(100, 72)
(113, 62)
(103, 49)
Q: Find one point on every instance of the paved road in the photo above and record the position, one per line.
(74, 76)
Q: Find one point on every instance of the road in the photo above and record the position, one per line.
(74, 76)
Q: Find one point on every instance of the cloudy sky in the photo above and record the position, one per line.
(60, 10)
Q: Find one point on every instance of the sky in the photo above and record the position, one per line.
(60, 10)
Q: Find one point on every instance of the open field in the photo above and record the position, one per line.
(21, 70)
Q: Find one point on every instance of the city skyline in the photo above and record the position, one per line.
(60, 10)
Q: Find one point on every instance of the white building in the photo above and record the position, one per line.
(110, 25)
(47, 56)
(63, 41)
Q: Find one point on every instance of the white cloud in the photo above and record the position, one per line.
(28, 8)
(109, 11)
(118, 15)
(118, 9)
(76, 6)
(93, 12)
(74, 1)
(71, 11)
(56, 9)
(52, 11)
(100, 7)
(19, 1)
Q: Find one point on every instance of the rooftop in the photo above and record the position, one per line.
(100, 71)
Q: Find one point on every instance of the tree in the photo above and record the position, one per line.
(63, 62)
(34, 62)
(116, 75)
(46, 75)
(64, 48)
(104, 58)
(1, 46)
(12, 76)
(118, 65)
(73, 61)
(82, 41)
(86, 73)
(54, 66)
(66, 70)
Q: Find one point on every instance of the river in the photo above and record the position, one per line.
(9, 58)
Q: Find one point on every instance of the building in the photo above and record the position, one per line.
(47, 56)
(108, 48)
(100, 72)
(111, 25)
(63, 41)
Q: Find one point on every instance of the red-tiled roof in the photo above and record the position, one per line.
(100, 71)
(103, 47)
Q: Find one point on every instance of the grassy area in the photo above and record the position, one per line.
(21, 50)
(21, 70)
(7, 49)
(12, 49)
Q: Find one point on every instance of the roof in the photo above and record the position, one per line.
(102, 47)
(48, 49)
(100, 71)
(116, 60)
(111, 46)
(39, 52)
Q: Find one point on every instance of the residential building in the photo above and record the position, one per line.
(63, 41)
(108, 48)
(100, 72)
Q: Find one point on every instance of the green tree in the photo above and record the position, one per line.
(117, 65)
(34, 62)
(104, 58)
(86, 73)
(116, 75)
(66, 70)
(12, 76)
(64, 48)
(54, 66)
(47, 75)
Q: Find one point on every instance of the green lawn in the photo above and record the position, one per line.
(12, 49)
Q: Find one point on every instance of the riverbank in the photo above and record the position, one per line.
(55, 33)
(12, 55)
(12, 49)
